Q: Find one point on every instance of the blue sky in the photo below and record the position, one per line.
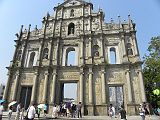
(14, 13)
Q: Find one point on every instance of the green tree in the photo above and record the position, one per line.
(151, 69)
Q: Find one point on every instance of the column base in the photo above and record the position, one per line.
(132, 109)
(95, 110)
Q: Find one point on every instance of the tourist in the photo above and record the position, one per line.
(58, 110)
(22, 114)
(1, 111)
(122, 113)
(31, 112)
(73, 111)
(142, 111)
(38, 112)
(68, 105)
(54, 113)
(158, 110)
(10, 112)
(45, 110)
(18, 110)
(79, 107)
(111, 111)
(64, 109)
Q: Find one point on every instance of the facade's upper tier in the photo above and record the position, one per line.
(75, 18)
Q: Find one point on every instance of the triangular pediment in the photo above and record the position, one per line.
(68, 3)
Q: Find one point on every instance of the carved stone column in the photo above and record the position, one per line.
(140, 76)
(81, 51)
(101, 49)
(129, 86)
(34, 87)
(136, 52)
(81, 87)
(103, 87)
(53, 92)
(90, 86)
(15, 86)
(124, 48)
(90, 50)
(39, 57)
(45, 87)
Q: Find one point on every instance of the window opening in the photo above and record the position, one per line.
(31, 60)
(71, 28)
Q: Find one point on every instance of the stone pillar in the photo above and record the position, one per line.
(136, 52)
(124, 48)
(81, 87)
(53, 92)
(101, 49)
(81, 51)
(90, 51)
(129, 86)
(34, 88)
(140, 76)
(15, 86)
(5, 95)
(103, 87)
(90, 86)
(39, 57)
(45, 87)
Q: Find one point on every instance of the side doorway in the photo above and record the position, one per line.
(25, 96)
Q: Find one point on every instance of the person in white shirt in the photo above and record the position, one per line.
(1, 111)
(111, 111)
(18, 110)
(31, 112)
(10, 112)
(55, 112)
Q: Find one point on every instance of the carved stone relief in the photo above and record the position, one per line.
(95, 24)
(69, 76)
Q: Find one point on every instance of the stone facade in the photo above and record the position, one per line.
(107, 65)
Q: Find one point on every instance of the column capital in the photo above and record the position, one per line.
(127, 71)
(81, 73)
(54, 73)
(138, 71)
(36, 73)
(122, 36)
(46, 73)
(90, 73)
(17, 73)
(103, 72)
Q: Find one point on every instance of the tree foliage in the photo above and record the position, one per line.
(151, 69)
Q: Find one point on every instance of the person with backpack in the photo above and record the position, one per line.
(122, 113)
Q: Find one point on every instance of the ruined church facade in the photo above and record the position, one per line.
(107, 68)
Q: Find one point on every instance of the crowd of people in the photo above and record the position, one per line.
(67, 109)
(145, 109)
(71, 110)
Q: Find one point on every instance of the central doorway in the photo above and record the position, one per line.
(116, 96)
(69, 92)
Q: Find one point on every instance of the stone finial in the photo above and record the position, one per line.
(112, 20)
(36, 28)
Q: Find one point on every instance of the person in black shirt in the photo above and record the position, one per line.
(122, 113)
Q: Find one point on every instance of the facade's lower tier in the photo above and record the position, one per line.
(96, 87)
